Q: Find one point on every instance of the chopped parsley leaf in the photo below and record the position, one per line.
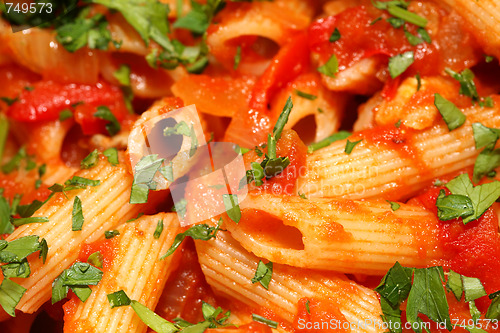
(305, 95)
(262, 320)
(152, 320)
(108, 234)
(78, 278)
(158, 230)
(232, 207)
(91, 160)
(77, 215)
(112, 155)
(335, 36)
(103, 112)
(237, 58)
(453, 206)
(65, 114)
(10, 295)
(118, 298)
(199, 231)
(263, 274)
(394, 205)
(452, 116)
(96, 259)
(349, 146)
(327, 141)
(331, 67)
(481, 196)
(399, 63)
(122, 74)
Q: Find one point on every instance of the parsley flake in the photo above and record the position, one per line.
(349, 146)
(199, 231)
(452, 116)
(400, 63)
(331, 67)
(263, 274)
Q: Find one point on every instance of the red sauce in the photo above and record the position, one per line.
(472, 249)
(251, 125)
(48, 99)
(323, 316)
(185, 289)
(272, 315)
(394, 138)
(105, 246)
(362, 39)
(289, 145)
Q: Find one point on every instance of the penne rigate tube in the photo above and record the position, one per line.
(348, 236)
(229, 269)
(483, 17)
(134, 267)
(104, 207)
(394, 162)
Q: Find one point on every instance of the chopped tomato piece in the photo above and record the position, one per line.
(48, 99)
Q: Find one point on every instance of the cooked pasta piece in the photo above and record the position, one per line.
(483, 17)
(43, 138)
(336, 234)
(411, 104)
(335, 7)
(276, 21)
(147, 138)
(217, 96)
(229, 269)
(104, 207)
(360, 78)
(311, 100)
(38, 50)
(396, 162)
(132, 265)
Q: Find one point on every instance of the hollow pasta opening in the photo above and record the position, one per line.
(270, 230)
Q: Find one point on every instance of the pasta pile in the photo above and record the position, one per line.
(249, 166)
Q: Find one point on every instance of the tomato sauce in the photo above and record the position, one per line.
(473, 249)
(318, 315)
(363, 37)
(292, 147)
(105, 246)
(251, 125)
(186, 289)
(399, 139)
(48, 99)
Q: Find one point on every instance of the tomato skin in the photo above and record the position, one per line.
(292, 147)
(48, 98)
(362, 37)
(472, 249)
(186, 288)
(291, 60)
(250, 126)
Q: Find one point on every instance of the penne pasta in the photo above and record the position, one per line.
(276, 21)
(133, 266)
(104, 207)
(348, 236)
(229, 269)
(297, 153)
(376, 165)
(38, 50)
(311, 100)
(482, 16)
